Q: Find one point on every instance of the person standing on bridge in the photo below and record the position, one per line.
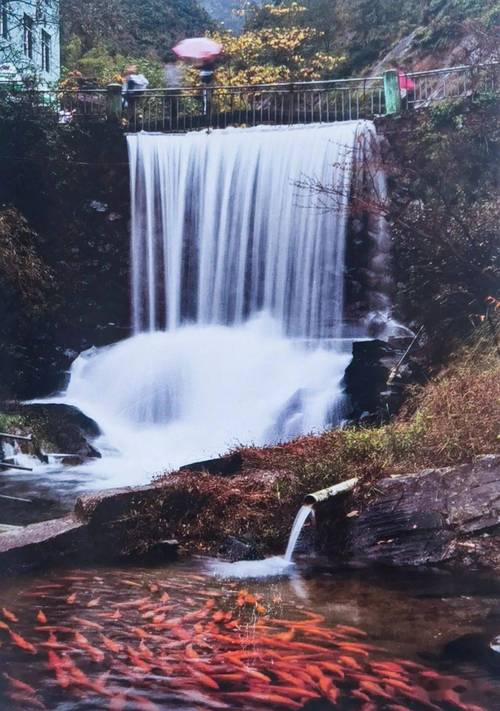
(133, 87)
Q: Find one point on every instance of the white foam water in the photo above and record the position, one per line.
(166, 398)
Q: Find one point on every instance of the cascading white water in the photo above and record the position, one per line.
(221, 232)
(237, 298)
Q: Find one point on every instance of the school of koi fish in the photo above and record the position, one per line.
(150, 643)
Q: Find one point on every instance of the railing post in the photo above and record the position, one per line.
(114, 106)
(392, 92)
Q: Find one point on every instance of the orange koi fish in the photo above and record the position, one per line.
(353, 648)
(144, 704)
(3, 626)
(110, 645)
(71, 599)
(87, 623)
(131, 604)
(254, 696)
(190, 652)
(373, 689)
(349, 662)
(334, 669)
(94, 602)
(236, 677)
(117, 703)
(116, 615)
(388, 666)
(58, 666)
(80, 678)
(52, 643)
(139, 632)
(205, 680)
(22, 643)
(145, 651)
(9, 615)
(41, 618)
(181, 633)
(19, 685)
(54, 628)
(137, 661)
(257, 675)
(26, 701)
(296, 691)
(97, 655)
(351, 630)
(360, 695)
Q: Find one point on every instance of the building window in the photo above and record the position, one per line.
(28, 36)
(46, 45)
(4, 20)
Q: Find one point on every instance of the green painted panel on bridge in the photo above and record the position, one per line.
(392, 92)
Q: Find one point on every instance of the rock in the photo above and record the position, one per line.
(113, 504)
(65, 427)
(158, 552)
(447, 516)
(235, 549)
(20, 511)
(102, 529)
(226, 466)
(474, 647)
(43, 544)
(365, 378)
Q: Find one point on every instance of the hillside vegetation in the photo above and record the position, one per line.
(272, 41)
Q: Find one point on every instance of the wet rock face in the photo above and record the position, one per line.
(445, 516)
(372, 397)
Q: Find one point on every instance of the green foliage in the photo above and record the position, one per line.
(9, 423)
(63, 264)
(99, 66)
(445, 216)
(364, 31)
(124, 27)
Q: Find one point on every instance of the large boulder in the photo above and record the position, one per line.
(447, 516)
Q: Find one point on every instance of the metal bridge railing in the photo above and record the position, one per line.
(190, 108)
(186, 109)
(452, 83)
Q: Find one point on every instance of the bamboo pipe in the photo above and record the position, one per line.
(21, 438)
(318, 496)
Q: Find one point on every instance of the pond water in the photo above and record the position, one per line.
(183, 637)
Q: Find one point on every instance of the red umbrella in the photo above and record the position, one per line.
(200, 48)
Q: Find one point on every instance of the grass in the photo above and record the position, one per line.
(449, 421)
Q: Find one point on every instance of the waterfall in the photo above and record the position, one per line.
(237, 289)
(221, 232)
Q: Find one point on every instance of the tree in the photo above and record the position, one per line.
(277, 47)
(148, 28)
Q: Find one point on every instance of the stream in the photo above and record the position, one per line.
(183, 637)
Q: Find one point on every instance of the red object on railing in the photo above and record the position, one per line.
(405, 82)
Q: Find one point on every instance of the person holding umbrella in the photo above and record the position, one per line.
(201, 51)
